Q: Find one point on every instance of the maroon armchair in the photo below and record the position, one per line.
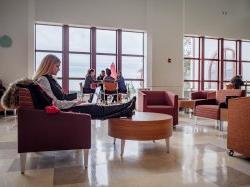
(39, 131)
(160, 102)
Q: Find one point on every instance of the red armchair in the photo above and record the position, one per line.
(39, 131)
(160, 102)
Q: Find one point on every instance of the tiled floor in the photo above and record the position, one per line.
(197, 158)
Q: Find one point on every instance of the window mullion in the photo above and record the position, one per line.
(222, 63)
(119, 50)
(65, 58)
(93, 48)
(240, 57)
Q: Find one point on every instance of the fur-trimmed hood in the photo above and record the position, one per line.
(9, 99)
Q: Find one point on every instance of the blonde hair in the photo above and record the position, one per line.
(46, 66)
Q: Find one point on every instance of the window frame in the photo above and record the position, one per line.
(93, 53)
(220, 59)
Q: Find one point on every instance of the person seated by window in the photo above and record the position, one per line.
(100, 79)
(237, 82)
(49, 67)
(2, 89)
(90, 79)
(101, 76)
(108, 78)
(121, 83)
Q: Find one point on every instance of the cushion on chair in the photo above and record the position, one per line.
(156, 98)
(160, 106)
(160, 109)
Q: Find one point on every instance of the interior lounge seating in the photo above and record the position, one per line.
(160, 102)
(202, 95)
(210, 108)
(238, 139)
(39, 131)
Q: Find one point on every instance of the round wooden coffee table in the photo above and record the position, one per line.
(142, 126)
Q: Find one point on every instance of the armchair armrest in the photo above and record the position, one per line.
(198, 95)
(206, 102)
(39, 131)
(171, 99)
(142, 101)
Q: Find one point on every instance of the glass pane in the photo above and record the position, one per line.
(230, 50)
(79, 65)
(210, 70)
(191, 47)
(229, 70)
(132, 67)
(132, 43)
(134, 86)
(191, 69)
(189, 87)
(211, 48)
(105, 41)
(103, 62)
(79, 39)
(245, 51)
(59, 82)
(41, 55)
(74, 85)
(245, 71)
(49, 37)
(210, 85)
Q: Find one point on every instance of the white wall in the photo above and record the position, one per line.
(204, 17)
(161, 19)
(165, 21)
(165, 29)
(106, 13)
(13, 22)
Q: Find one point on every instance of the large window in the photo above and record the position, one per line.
(133, 58)
(48, 41)
(81, 48)
(210, 63)
(79, 55)
(105, 49)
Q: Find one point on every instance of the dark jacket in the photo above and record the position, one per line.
(88, 81)
(121, 85)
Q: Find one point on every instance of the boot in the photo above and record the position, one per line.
(127, 112)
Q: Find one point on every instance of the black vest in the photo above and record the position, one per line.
(57, 90)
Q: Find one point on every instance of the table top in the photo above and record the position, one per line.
(142, 126)
(147, 116)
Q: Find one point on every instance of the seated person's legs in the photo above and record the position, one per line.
(104, 112)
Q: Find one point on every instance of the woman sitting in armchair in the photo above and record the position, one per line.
(44, 76)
